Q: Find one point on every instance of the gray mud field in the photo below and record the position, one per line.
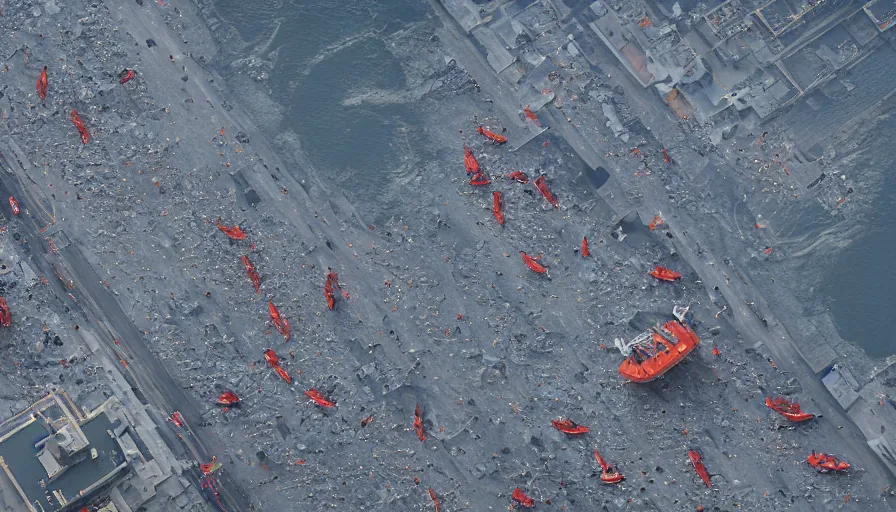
(441, 312)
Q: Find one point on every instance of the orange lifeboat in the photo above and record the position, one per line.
(650, 360)
(228, 399)
(825, 463)
(664, 274)
(609, 474)
(788, 409)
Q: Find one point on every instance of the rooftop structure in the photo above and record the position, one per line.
(55, 457)
(757, 56)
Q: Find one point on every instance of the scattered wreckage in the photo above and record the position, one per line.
(542, 186)
(252, 273)
(418, 423)
(330, 286)
(79, 124)
(319, 399)
(518, 176)
(522, 498)
(649, 356)
(232, 232)
(42, 83)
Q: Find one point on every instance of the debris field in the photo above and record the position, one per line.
(455, 355)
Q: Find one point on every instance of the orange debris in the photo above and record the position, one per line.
(570, 427)
(42, 84)
(531, 115)
(319, 399)
(498, 207)
(532, 264)
(85, 136)
(520, 497)
(649, 362)
(233, 232)
(253, 275)
(664, 274)
(541, 185)
(418, 423)
(697, 461)
(470, 162)
(500, 139)
(435, 500)
(280, 323)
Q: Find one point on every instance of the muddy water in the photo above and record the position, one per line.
(340, 81)
(861, 285)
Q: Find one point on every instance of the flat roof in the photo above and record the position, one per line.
(87, 472)
(20, 456)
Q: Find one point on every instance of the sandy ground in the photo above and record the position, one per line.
(442, 311)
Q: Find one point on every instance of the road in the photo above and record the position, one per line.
(80, 288)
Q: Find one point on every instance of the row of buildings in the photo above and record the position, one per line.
(758, 56)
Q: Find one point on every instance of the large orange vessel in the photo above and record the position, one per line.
(653, 354)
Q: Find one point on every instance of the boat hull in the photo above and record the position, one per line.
(663, 361)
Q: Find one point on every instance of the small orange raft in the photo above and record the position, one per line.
(825, 463)
(664, 274)
(649, 362)
(788, 409)
(609, 474)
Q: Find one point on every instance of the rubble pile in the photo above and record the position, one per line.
(42, 350)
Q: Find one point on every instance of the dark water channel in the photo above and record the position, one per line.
(327, 54)
(860, 285)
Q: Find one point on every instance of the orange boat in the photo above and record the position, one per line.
(228, 399)
(788, 409)
(470, 161)
(653, 354)
(499, 139)
(5, 316)
(569, 427)
(609, 474)
(664, 274)
(825, 463)
(699, 467)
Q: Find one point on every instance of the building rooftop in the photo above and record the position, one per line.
(57, 459)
